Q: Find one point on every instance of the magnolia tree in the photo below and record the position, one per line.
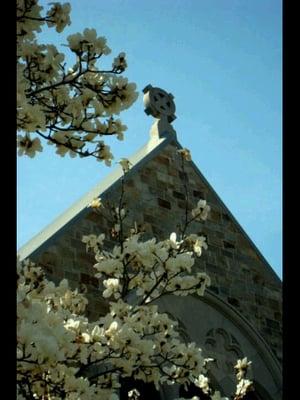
(60, 353)
(72, 108)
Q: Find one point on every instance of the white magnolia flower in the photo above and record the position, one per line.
(59, 16)
(28, 146)
(185, 153)
(202, 383)
(127, 91)
(109, 267)
(120, 63)
(113, 329)
(119, 129)
(199, 244)
(75, 107)
(243, 363)
(93, 242)
(243, 387)
(134, 394)
(241, 366)
(31, 118)
(105, 154)
(173, 241)
(112, 288)
(97, 333)
(95, 203)
(201, 211)
(125, 164)
(88, 42)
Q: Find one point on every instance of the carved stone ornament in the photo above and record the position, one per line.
(161, 106)
(224, 347)
(159, 103)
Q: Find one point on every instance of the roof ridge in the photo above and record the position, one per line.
(79, 207)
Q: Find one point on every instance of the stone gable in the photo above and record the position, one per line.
(155, 197)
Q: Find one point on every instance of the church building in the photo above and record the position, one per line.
(240, 314)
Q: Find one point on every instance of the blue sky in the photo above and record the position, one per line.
(222, 60)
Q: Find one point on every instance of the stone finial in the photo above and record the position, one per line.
(161, 106)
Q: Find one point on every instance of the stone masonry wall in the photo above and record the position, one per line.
(155, 198)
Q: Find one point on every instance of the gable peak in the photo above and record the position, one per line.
(161, 106)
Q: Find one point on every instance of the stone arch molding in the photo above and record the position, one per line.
(224, 348)
(225, 334)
